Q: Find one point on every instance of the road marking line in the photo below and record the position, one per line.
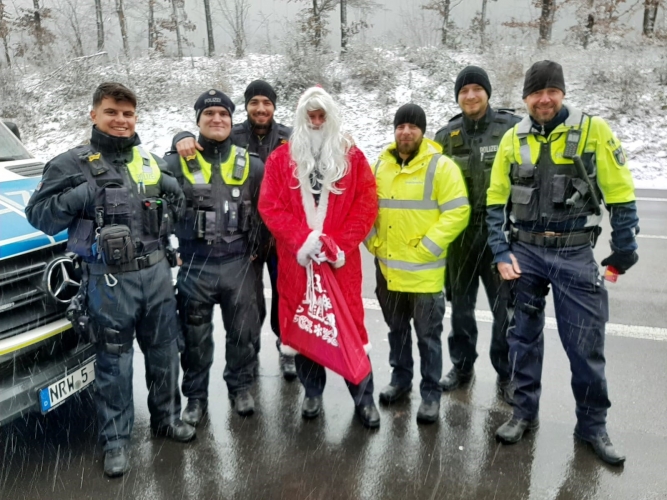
(652, 199)
(612, 329)
(652, 236)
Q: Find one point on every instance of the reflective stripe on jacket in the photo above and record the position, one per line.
(423, 206)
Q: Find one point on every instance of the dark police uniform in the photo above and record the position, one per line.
(112, 197)
(243, 136)
(473, 144)
(553, 222)
(216, 237)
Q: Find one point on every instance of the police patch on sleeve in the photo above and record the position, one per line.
(619, 154)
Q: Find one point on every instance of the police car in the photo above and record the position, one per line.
(43, 363)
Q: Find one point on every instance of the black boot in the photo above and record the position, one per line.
(603, 447)
(428, 412)
(176, 431)
(117, 461)
(505, 390)
(392, 393)
(512, 431)
(243, 403)
(455, 379)
(194, 412)
(288, 367)
(368, 415)
(311, 407)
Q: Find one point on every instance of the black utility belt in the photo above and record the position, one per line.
(136, 264)
(556, 240)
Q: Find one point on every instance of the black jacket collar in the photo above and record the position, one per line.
(105, 143)
(479, 126)
(214, 150)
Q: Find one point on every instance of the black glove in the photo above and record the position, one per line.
(621, 261)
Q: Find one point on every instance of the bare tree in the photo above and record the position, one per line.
(650, 15)
(71, 28)
(30, 21)
(599, 17)
(176, 25)
(235, 13)
(4, 31)
(209, 28)
(547, 16)
(444, 10)
(343, 26)
(120, 11)
(99, 19)
(544, 23)
(152, 28)
(314, 20)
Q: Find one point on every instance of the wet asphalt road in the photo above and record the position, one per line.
(276, 454)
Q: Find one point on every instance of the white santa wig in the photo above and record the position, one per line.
(332, 164)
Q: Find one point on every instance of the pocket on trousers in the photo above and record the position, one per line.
(525, 203)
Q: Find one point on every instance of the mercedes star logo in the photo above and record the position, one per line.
(60, 280)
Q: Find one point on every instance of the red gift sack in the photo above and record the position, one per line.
(323, 329)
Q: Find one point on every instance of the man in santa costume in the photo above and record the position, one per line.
(320, 184)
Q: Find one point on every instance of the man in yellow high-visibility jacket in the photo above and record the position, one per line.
(423, 206)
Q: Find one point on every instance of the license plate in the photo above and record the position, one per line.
(59, 391)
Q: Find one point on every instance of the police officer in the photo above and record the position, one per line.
(471, 139)
(551, 171)
(216, 241)
(259, 134)
(115, 200)
(422, 208)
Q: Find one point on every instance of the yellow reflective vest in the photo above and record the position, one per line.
(423, 206)
(202, 175)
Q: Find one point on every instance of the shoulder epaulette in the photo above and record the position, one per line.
(456, 117)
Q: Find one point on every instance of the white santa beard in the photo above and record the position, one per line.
(316, 141)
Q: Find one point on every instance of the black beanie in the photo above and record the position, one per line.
(410, 113)
(213, 98)
(472, 74)
(260, 87)
(543, 75)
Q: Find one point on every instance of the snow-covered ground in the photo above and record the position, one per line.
(624, 87)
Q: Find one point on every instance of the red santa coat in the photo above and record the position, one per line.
(296, 223)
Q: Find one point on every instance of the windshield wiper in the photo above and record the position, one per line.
(10, 158)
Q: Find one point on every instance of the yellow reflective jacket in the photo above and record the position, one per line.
(423, 206)
(613, 175)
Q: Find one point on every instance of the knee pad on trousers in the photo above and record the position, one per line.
(194, 313)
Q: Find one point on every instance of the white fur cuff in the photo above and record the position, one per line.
(308, 247)
(340, 260)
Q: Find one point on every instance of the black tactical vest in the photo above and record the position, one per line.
(549, 193)
(219, 216)
(120, 201)
(474, 154)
